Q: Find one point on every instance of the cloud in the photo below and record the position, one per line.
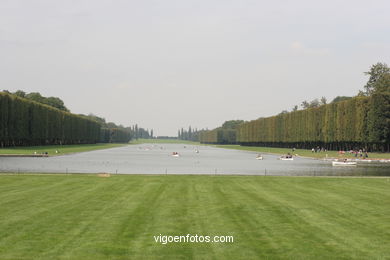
(299, 48)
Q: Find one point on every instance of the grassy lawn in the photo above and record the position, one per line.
(88, 217)
(301, 152)
(62, 149)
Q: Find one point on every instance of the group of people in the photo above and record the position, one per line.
(360, 153)
(318, 149)
(357, 153)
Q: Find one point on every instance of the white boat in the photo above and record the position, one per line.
(175, 154)
(286, 159)
(344, 163)
(259, 158)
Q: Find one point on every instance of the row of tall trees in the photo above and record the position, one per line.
(346, 123)
(25, 122)
(190, 134)
(334, 126)
(113, 133)
(31, 119)
(226, 134)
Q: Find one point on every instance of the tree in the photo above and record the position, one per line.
(37, 97)
(379, 114)
(20, 93)
(295, 108)
(305, 104)
(323, 101)
(232, 124)
(376, 71)
(314, 103)
(55, 102)
(340, 98)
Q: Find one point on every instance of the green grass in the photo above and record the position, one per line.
(301, 152)
(163, 141)
(51, 149)
(87, 217)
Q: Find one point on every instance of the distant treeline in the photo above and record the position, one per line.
(112, 133)
(189, 135)
(226, 134)
(352, 123)
(25, 122)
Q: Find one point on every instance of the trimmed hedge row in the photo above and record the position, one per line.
(24, 122)
(360, 122)
(114, 135)
(341, 125)
(218, 136)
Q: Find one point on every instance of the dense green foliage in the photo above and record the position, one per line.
(376, 73)
(340, 98)
(361, 122)
(25, 122)
(87, 217)
(189, 135)
(333, 126)
(226, 134)
(114, 135)
(37, 97)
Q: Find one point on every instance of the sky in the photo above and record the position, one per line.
(176, 63)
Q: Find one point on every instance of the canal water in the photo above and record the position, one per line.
(158, 159)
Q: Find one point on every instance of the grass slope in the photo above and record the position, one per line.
(87, 217)
(301, 152)
(63, 149)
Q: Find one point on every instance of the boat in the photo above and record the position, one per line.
(259, 157)
(344, 163)
(175, 154)
(286, 158)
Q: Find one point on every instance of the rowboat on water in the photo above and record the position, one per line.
(286, 159)
(175, 154)
(259, 157)
(344, 163)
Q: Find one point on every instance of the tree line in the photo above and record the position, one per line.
(362, 121)
(226, 134)
(25, 122)
(30, 119)
(189, 135)
(113, 133)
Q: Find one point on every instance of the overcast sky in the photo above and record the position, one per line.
(174, 63)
